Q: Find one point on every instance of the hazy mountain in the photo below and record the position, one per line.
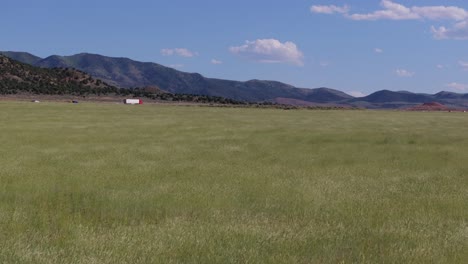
(17, 77)
(405, 99)
(386, 96)
(127, 73)
(23, 57)
(326, 95)
(449, 95)
(124, 72)
(24, 79)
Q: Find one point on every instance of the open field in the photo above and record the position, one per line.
(110, 183)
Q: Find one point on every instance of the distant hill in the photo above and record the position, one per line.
(126, 73)
(302, 103)
(386, 96)
(23, 57)
(17, 77)
(432, 106)
(404, 99)
(327, 95)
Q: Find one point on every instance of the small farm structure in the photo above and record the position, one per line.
(133, 101)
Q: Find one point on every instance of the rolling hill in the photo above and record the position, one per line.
(403, 99)
(17, 77)
(23, 57)
(127, 73)
(386, 96)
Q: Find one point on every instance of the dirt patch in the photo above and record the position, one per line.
(434, 106)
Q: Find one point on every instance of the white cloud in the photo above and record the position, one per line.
(377, 50)
(458, 86)
(440, 66)
(392, 11)
(464, 65)
(167, 52)
(329, 9)
(396, 11)
(404, 73)
(270, 51)
(325, 63)
(457, 31)
(176, 65)
(182, 52)
(441, 12)
(215, 61)
(356, 93)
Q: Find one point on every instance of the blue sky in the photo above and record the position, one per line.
(352, 45)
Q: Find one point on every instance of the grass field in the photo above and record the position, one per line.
(109, 183)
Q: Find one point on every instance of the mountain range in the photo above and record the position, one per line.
(127, 73)
(17, 77)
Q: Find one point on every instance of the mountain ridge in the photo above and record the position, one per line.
(20, 77)
(128, 73)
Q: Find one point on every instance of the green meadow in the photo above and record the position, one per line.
(112, 183)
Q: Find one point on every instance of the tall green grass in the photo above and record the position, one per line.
(110, 183)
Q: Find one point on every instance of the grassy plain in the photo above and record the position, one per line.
(110, 183)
